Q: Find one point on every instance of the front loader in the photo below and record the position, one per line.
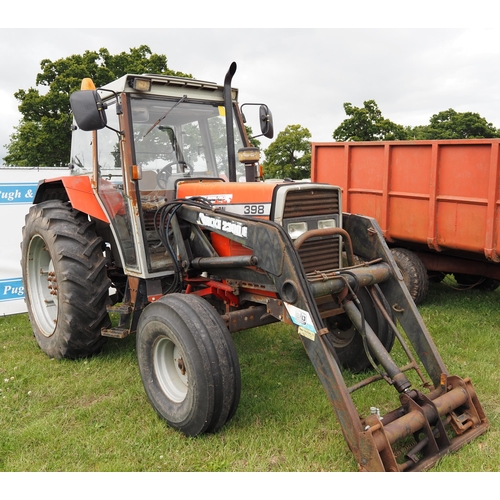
(167, 223)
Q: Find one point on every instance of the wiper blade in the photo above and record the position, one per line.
(182, 99)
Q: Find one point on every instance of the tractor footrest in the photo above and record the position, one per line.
(117, 332)
(120, 309)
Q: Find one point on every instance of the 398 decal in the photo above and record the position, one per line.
(254, 210)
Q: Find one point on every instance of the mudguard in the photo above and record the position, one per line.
(79, 191)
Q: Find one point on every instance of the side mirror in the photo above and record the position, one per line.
(88, 110)
(266, 121)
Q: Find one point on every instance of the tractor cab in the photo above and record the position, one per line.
(150, 133)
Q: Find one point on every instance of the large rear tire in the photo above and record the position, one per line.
(348, 342)
(188, 364)
(65, 280)
(414, 273)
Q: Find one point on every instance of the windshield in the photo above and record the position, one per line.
(179, 138)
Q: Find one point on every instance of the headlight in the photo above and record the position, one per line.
(142, 84)
(295, 229)
(326, 224)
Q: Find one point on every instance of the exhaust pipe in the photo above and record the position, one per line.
(228, 104)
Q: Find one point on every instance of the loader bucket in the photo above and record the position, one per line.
(430, 425)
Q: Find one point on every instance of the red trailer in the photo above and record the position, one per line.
(437, 203)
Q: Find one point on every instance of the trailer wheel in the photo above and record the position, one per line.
(65, 280)
(188, 364)
(348, 342)
(414, 273)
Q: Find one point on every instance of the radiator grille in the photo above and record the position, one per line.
(318, 253)
(310, 202)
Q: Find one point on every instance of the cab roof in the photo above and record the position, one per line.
(167, 85)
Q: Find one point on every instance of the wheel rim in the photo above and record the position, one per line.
(342, 331)
(170, 369)
(42, 286)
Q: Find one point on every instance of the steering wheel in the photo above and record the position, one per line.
(166, 172)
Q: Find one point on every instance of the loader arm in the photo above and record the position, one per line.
(292, 296)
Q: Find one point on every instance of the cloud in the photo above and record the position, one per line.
(304, 75)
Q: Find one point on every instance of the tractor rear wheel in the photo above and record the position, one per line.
(348, 342)
(188, 364)
(65, 280)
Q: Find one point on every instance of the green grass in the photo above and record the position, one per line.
(93, 415)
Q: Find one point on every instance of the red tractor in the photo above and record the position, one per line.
(167, 223)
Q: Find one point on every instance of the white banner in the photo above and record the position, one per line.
(17, 190)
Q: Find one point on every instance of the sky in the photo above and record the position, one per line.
(304, 75)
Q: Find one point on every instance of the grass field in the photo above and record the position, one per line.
(93, 415)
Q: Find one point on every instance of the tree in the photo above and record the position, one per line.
(289, 156)
(43, 136)
(251, 139)
(450, 124)
(367, 124)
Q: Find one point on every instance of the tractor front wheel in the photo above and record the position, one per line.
(65, 280)
(188, 364)
(348, 342)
